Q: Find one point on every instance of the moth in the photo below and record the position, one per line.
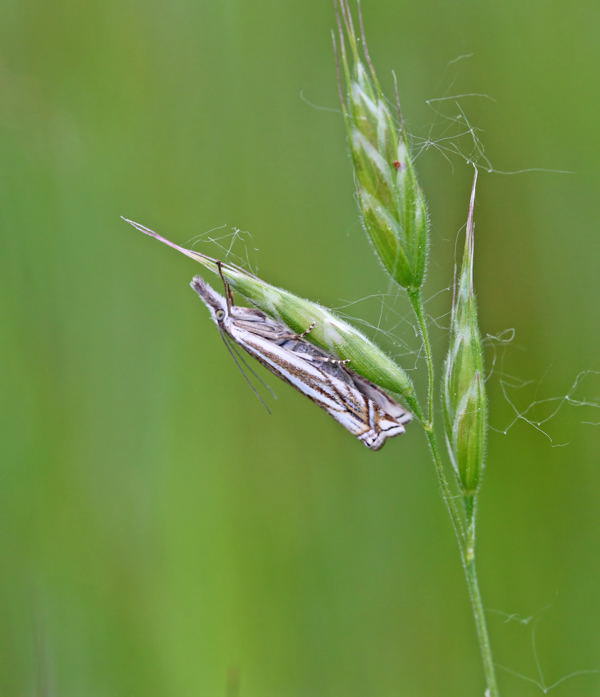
(361, 407)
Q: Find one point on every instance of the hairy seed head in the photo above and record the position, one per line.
(390, 200)
(463, 390)
(330, 332)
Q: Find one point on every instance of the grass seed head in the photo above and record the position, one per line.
(463, 390)
(391, 202)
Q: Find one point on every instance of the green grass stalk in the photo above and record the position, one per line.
(462, 517)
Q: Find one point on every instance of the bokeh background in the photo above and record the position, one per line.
(160, 533)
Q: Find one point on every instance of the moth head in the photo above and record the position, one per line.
(215, 302)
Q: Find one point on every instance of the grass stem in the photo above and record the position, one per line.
(483, 636)
(463, 518)
(416, 301)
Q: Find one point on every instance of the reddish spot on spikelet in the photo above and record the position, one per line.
(397, 164)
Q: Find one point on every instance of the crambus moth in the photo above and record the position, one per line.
(361, 407)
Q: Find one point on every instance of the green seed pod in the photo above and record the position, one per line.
(390, 200)
(463, 390)
(329, 332)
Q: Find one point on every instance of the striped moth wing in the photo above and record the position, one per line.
(357, 404)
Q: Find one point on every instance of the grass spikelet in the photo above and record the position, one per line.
(463, 391)
(391, 202)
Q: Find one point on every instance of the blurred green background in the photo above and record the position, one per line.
(160, 533)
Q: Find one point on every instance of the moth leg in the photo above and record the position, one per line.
(333, 361)
(311, 326)
(226, 286)
(324, 359)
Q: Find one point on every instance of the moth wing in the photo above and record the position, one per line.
(388, 405)
(386, 416)
(363, 409)
(259, 324)
(357, 404)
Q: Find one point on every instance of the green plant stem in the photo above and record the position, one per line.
(449, 498)
(416, 301)
(463, 520)
(483, 636)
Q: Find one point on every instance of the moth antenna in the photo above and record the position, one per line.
(240, 366)
(249, 368)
